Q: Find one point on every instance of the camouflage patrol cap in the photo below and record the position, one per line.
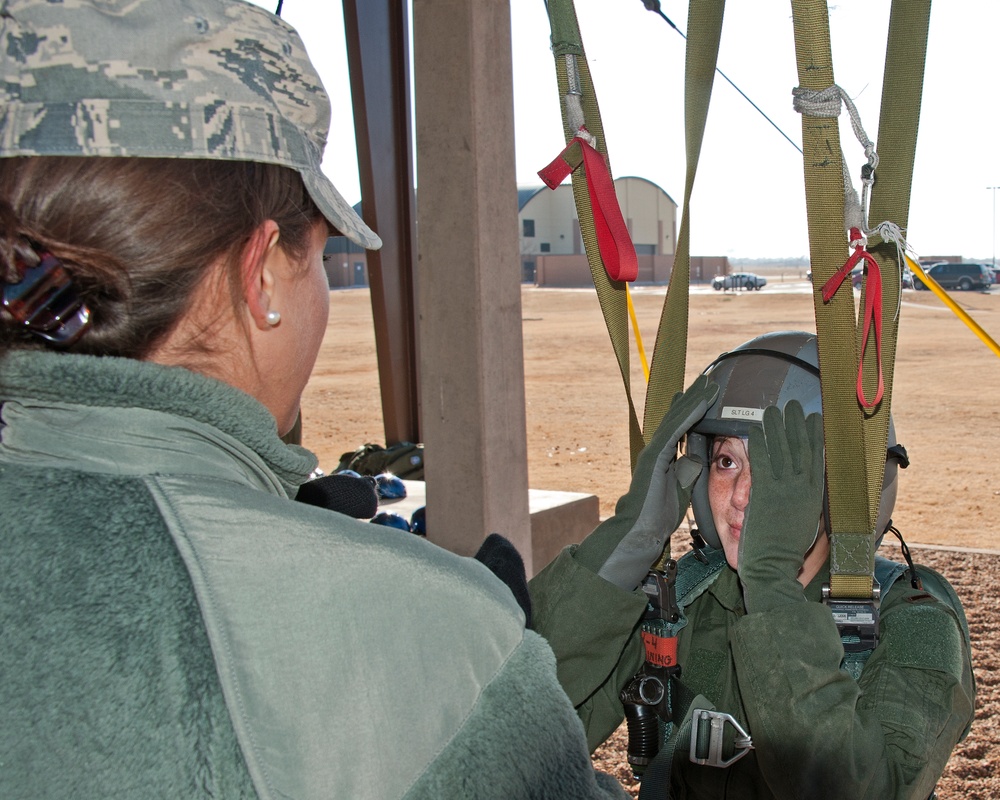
(206, 79)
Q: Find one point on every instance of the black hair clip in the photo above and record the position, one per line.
(46, 302)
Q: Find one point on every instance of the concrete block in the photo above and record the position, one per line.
(557, 518)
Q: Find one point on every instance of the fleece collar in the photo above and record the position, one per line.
(127, 417)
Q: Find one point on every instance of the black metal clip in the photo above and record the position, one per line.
(660, 589)
(46, 302)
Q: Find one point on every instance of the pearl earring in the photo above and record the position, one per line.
(273, 318)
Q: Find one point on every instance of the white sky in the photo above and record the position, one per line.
(748, 198)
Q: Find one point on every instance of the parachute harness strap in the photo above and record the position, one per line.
(856, 379)
(576, 121)
(584, 135)
(613, 241)
(666, 378)
(827, 103)
(872, 312)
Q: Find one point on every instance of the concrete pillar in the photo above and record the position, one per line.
(468, 276)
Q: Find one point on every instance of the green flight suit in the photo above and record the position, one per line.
(817, 732)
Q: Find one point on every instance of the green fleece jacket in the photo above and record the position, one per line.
(174, 626)
(817, 733)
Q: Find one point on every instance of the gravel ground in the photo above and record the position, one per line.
(973, 773)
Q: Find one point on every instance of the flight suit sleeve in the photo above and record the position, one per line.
(590, 624)
(888, 735)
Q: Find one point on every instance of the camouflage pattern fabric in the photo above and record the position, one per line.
(213, 79)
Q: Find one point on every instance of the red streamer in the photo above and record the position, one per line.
(872, 313)
(613, 240)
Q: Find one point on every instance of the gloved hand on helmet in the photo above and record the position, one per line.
(623, 548)
(786, 500)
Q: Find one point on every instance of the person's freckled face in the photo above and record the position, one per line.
(729, 491)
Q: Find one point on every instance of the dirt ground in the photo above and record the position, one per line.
(946, 408)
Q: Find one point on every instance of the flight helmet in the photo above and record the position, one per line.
(391, 520)
(389, 487)
(767, 371)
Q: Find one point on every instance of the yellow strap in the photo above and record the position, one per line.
(959, 312)
(638, 334)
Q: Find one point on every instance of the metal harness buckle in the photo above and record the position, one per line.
(707, 742)
(660, 589)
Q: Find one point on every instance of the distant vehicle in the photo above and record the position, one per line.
(857, 275)
(739, 280)
(958, 276)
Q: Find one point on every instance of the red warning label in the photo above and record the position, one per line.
(660, 650)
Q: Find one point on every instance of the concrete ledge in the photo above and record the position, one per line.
(557, 518)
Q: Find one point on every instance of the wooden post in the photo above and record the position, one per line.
(469, 301)
(379, 59)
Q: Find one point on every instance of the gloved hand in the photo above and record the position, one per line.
(503, 560)
(622, 549)
(786, 500)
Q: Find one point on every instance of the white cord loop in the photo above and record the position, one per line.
(574, 108)
(827, 103)
(891, 232)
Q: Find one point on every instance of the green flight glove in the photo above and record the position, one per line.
(786, 500)
(622, 548)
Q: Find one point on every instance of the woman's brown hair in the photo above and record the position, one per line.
(138, 235)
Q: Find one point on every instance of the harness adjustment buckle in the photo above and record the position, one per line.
(708, 737)
(856, 620)
(659, 587)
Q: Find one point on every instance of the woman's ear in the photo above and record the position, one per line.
(258, 278)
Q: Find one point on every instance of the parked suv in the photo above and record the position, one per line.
(958, 276)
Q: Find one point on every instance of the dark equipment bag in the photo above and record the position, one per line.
(404, 460)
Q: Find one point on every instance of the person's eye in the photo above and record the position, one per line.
(724, 462)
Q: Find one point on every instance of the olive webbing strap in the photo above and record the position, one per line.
(902, 86)
(898, 122)
(666, 372)
(855, 441)
(835, 323)
(566, 42)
